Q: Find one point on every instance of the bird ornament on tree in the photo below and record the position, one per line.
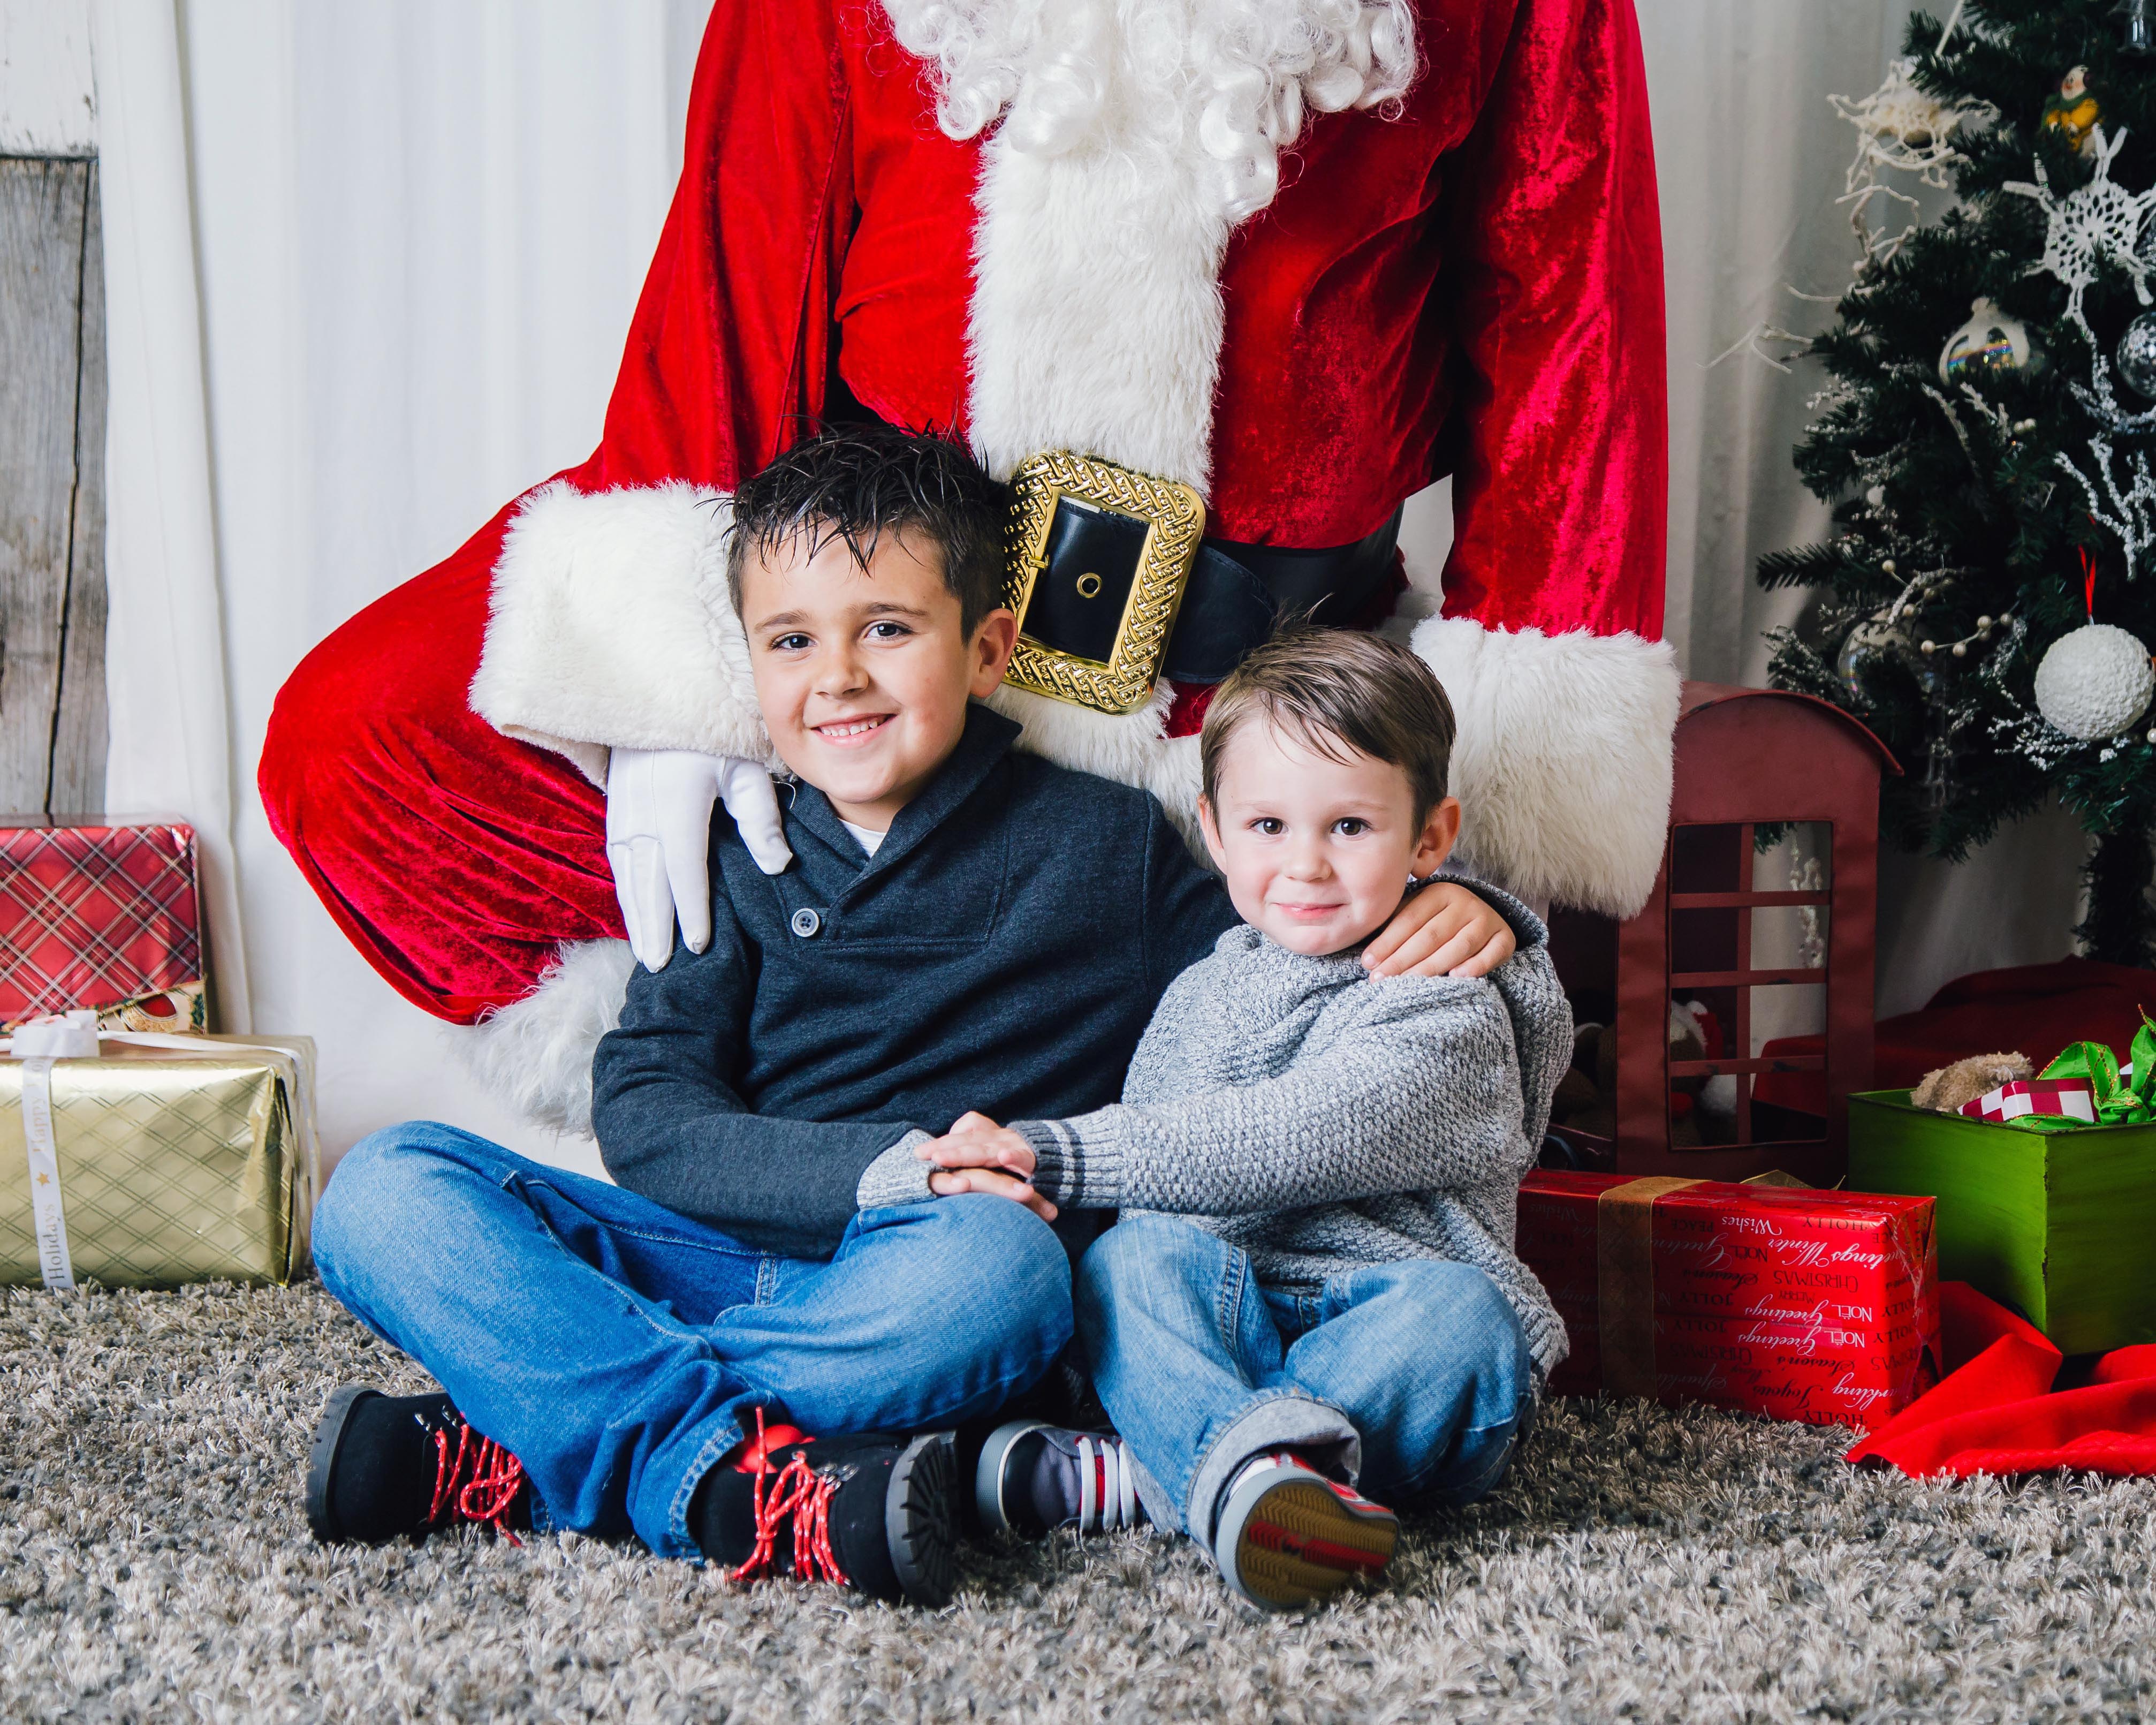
(2072, 111)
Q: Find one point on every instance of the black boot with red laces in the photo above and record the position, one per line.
(877, 1514)
(384, 1465)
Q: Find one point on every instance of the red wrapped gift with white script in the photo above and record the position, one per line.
(103, 917)
(1802, 1305)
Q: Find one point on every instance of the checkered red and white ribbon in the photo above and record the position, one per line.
(92, 916)
(2070, 1097)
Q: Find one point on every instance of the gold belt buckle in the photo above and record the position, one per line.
(1095, 561)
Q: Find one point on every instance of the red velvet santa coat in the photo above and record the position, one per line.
(1471, 282)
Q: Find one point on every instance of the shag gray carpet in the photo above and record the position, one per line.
(1638, 1564)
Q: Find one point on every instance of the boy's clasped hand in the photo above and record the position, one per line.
(977, 1155)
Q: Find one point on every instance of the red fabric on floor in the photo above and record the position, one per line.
(2036, 1008)
(1994, 1411)
(2126, 1365)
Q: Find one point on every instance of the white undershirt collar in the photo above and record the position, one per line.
(867, 837)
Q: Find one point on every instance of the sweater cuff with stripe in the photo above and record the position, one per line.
(1072, 1170)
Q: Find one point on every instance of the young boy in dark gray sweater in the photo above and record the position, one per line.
(1313, 1284)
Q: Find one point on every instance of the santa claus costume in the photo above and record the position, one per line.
(1305, 256)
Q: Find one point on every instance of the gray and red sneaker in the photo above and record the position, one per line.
(1033, 1478)
(1288, 1535)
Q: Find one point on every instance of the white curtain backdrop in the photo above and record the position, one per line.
(407, 236)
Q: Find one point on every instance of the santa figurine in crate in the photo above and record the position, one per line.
(1301, 257)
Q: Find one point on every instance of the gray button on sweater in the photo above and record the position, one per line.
(1323, 1120)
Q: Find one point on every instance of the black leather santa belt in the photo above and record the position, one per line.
(1115, 585)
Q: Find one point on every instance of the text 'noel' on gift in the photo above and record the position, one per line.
(1820, 1306)
(1739, 1000)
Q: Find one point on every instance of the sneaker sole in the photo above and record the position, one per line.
(921, 1518)
(988, 1476)
(1299, 1542)
(322, 1457)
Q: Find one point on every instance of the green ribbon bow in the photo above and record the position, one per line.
(2120, 1099)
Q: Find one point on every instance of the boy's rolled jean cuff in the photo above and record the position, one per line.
(1275, 1420)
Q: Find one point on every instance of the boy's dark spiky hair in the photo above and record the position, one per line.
(855, 483)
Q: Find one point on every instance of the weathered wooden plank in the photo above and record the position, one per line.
(76, 783)
(41, 233)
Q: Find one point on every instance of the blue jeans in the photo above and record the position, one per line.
(1412, 1378)
(619, 1350)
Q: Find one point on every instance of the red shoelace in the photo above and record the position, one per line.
(798, 1490)
(479, 1483)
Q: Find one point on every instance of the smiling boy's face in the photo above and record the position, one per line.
(863, 675)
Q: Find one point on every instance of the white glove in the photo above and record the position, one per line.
(658, 839)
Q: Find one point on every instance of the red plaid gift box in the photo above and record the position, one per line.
(1821, 1306)
(104, 917)
(2071, 1097)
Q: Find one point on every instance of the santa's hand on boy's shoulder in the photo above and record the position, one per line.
(658, 839)
(977, 1155)
(1444, 930)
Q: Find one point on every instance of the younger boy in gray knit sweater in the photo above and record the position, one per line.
(1312, 1286)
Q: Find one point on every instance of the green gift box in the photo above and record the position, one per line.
(2061, 1226)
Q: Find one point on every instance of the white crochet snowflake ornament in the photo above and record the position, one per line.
(2098, 220)
(1899, 129)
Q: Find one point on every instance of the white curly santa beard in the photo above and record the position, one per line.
(1239, 75)
(1135, 135)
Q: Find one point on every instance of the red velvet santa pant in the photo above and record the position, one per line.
(456, 859)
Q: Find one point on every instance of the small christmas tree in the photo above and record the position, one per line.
(1986, 437)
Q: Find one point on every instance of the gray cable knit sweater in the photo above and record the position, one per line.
(1324, 1121)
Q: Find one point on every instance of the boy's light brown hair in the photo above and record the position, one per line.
(1337, 691)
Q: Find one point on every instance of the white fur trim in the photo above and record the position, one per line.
(611, 627)
(536, 1055)
(1563, 758)
(1096, 315)
(1122, 748)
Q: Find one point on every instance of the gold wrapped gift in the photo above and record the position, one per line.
(179, 1159)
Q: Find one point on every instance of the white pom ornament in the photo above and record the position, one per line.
(2095, 682)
